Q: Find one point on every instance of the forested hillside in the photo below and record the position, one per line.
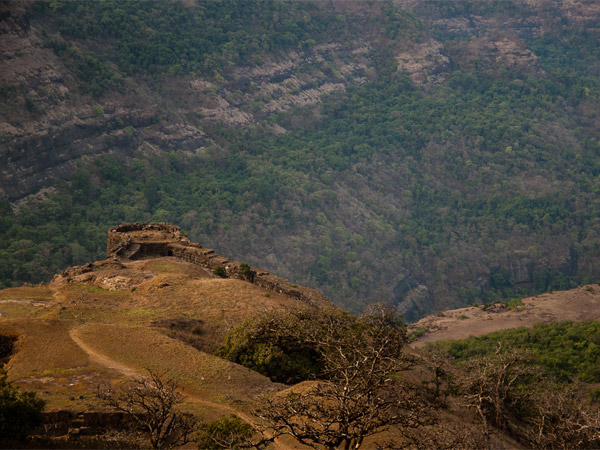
(431, 153)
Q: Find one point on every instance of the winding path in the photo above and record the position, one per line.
(101, 359)
(129, 371)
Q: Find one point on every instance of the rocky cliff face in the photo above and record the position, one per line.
(48, 124)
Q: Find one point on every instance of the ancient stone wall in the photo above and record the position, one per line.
(140, 240)
(122, 236)
(89, 423)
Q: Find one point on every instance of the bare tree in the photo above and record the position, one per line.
(360, 392)
(563, 418)
(151, 403)
(492, 387)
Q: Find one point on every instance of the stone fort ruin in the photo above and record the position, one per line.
(140, 240)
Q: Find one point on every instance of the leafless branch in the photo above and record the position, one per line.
(151, 402)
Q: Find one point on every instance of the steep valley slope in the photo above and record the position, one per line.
(433, 153)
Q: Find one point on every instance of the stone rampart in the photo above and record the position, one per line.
(140, 240)
(89, 423)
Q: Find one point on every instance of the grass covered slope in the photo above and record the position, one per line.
(448, 156)
(103, 324)
(109, 324)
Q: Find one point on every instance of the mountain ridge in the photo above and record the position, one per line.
(445, 157)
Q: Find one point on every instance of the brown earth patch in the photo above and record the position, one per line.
(580, 304)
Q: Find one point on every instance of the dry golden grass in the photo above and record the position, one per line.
(42, 345)
(25, 302)
(171, 266)
(27, 292)
(76, 335)
(198, 373)
(49, 362)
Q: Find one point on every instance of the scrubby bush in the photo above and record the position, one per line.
(289, 347)
(270, 344)
(246, 270)
(226, 433)
(220, 272)
(19, 411)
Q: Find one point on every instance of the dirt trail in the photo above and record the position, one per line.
(101, 359)
(129, 371)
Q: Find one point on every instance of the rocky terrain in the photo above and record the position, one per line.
(580, 304)
(49, 126)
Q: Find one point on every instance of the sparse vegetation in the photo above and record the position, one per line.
(152, 403)
(246, 270)
(416, 333)
(220, 272)
(515, 304)
(20, 411)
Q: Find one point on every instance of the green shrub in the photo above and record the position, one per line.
(226, 433)
(30, 104)
(269, 344)
(515, 304)
(246, 270)
(19, 411)
(220, 272)
(566, 350)
(98, 111)
(416, 333)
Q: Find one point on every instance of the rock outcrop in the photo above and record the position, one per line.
(140, 240)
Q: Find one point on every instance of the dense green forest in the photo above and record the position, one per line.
(449, 187)
(566, 350)
(151, 38)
